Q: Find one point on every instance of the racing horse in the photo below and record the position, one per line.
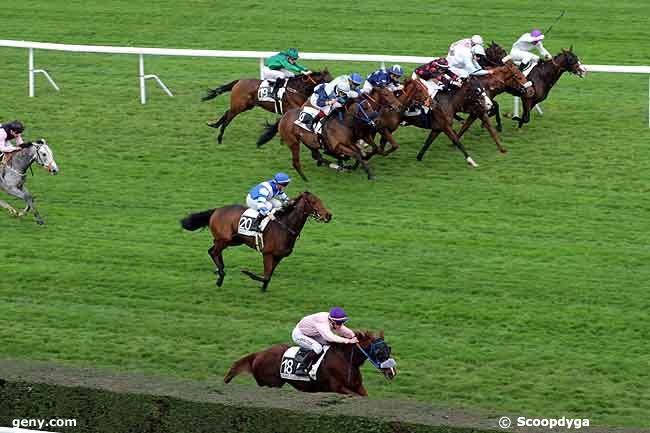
(543, 76)
(13, 170)
(244, 96)
(339, 371)
(340, 136)
(279, 237)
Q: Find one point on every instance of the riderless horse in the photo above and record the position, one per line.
(13, 170)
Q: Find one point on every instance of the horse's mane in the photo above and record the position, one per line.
(289, 208)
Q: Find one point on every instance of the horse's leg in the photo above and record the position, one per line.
(295, 158)
(10, 208)
(485, 119)
(394, 145)
(447, 129)
(359, 155)
(25, 195)
(497, 113)
(270, 262)
(361, 390)
(228, 116)
(432, 136)
(470, 119)
(316, 155)
(215, 253)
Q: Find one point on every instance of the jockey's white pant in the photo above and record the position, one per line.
(262, 205)
(315, 344)
(273, 74)
(432, 87)
(521, 56)
(313, 100)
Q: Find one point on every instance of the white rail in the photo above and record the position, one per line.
(243, 54)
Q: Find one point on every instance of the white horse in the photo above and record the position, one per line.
(12, 175)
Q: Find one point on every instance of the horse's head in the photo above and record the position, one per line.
(386, 97)
(378, 352)
(314, 207)
(44, 156)
(496, 54)
(319, 77)
(515, 79)
(570, 62)
(416, 92)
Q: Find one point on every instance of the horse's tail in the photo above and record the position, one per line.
(269, 132)
(197, 220)
(213, 93)
(244, 365)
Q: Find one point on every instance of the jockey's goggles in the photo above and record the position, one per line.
(338, 322)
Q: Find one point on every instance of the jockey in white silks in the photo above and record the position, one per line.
(11, 131)
(328, 96)
(262, 197)
(463, 62)
(468, 43)
(521, 50)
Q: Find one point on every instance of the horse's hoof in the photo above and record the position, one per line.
(219, 283)
(499, 128)
(504, 150)
(471, 162)
(40, 222)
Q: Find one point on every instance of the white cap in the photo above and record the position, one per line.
(478, 50)
(477, 40)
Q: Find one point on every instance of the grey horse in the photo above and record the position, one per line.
(13, 175)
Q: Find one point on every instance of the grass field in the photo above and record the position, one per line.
(519, 287)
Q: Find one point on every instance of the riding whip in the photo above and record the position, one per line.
(555, 22)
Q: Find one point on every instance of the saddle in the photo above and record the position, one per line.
(273, 92)
(293, 366)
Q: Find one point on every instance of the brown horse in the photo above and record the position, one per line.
(469, 99)
(279, 236)
(339, 371)
(494, 85)
(543, 76)
(339, 137)
(414, 92)
(244, 96)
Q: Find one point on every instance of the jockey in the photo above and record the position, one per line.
(282, 65)
(467, 43)
(11, 131)
(262, 197)
(384, 78)
(328, 96)
(315, 330)
(435, 75)
(521, 54)
(464, 61)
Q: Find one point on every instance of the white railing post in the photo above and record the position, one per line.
(261, 68)
(515, 110)
(31, 72)
(648, 102)
(143, 90)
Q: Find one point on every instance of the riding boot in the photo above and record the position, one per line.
(256, 223)
(309, 359)
(276, 87)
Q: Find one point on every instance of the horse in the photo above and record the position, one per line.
(279, 237)
(494, 85)
(13, 170)
(340, 137)
(444, 107)
(339, 371)
(244, 96)
(543, 76)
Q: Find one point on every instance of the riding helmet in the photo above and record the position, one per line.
(282, 178)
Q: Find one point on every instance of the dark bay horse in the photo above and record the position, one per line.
(340, 137)
(543, 76)
(13, 174)
(339, 371)
(469, 99)
(494, 85)
(279, 236)
(244, 96)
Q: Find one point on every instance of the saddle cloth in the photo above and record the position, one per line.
(265, 89)
(246, 221)
(290, 368)
(306, 118)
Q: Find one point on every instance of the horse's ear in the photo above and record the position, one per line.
(571, 48)
(381, 334)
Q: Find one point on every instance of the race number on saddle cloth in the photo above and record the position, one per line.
(263, 198)
(326, 97)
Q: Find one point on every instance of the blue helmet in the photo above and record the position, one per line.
(337, 315)
(282, 178)
(396, 70)
(356, 78)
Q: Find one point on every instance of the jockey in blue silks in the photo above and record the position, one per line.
(332, 95)
(262, 197)
(384, 78)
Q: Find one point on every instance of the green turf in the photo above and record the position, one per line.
(520, 286)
